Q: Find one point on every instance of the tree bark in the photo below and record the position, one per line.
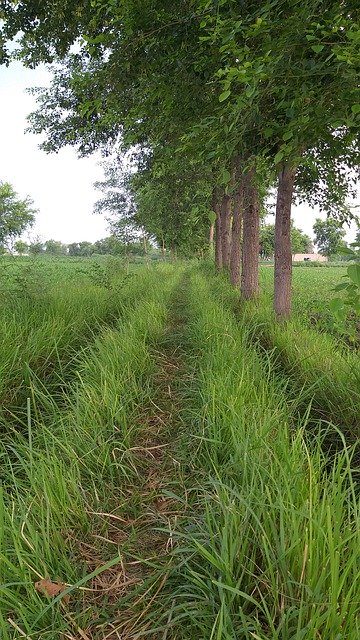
(226, 230)
(283, 255)
(218, 247)
(251, 241)
(235, 256)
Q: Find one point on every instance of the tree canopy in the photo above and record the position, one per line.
(16, 214)
(217, 102)
(329, 236)
(300, 241)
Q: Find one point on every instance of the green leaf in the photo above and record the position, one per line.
(224, 95)
(336, 304)
(287, 135)
(212, 216)
(309, 37)
(268, 131)
(356, 108)
(354, 273)
(341, 287)
(317, 47)
(225, 176)
(346, 251)
(279, 156)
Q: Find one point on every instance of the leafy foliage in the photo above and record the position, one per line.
(15, 214)
(350, 300)
(300, 242)
(329, 235)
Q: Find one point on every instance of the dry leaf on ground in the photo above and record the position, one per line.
(49, 588)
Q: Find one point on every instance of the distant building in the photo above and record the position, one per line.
(309, 257)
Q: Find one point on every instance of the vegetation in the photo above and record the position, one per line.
(329, 236)
(15, 214)
(202, 112)
(111, 246)
(300, 242)
(175, 462)
(172, 463)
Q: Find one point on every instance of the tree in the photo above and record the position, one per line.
(73, 249)
(110, 246)
(300, 242)
(21, 247)
(329, 235)
(290, 82)
(272, 85)
(357, 237)
(86, 248)
(15, 214)
(36, 247)
(55, 248)
(83, 248)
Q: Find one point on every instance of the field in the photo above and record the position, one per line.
(174, 465)
(312, 288)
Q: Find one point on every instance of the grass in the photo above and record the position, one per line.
(321, 375)
(312, 291)
(73, 466)
(161, 468)
(270, 549)
(43, 330)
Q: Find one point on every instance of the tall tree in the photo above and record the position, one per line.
(329, 236)
(55, 248)
(16, 214)
(21, 247)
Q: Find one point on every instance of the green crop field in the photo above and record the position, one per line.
(312, 289)
(174, 464)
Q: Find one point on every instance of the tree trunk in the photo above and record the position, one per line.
(218, 248)
(251, 242)
(226, 230)
(283, 255)
(236, 235)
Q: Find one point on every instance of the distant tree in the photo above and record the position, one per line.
(86, 248)
(83, 248)
(357, 237)
(300, 242)
(21, 247)
(55, 248)
(15, 214)
(329, 236)
(267, 240)
(36, 248)
(74, 249)
(110, 246)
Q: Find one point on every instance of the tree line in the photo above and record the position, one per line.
(106, 246)
(206, 107)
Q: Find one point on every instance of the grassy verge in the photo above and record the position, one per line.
(270, 547)
(319, 373)
(64, 484)
(42, 335)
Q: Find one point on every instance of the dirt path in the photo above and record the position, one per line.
(143, 528)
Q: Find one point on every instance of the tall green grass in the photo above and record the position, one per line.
(42, 334)
(319, 371)
(64, 482)
(270, 548)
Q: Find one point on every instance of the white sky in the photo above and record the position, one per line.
(61, 185)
